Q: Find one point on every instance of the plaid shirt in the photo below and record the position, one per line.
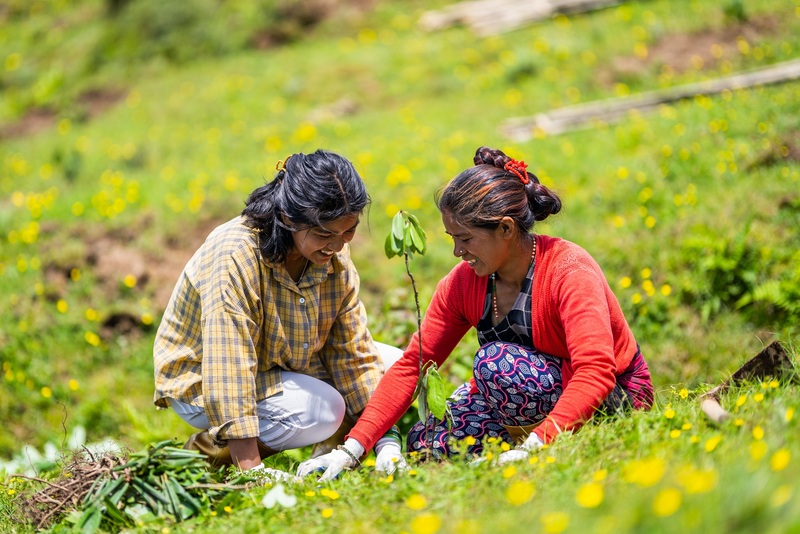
(234, 321)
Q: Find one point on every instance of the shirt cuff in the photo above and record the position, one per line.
(243, 428)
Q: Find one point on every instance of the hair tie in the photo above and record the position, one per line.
(281, 165)
(518, 168)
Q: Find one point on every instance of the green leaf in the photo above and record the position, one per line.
(89, 522)
(186, 498)
(407, 238)
(422, 400)
(417, 240)
(397, 226)
(115, 516)
(436, 397)
(390, 247)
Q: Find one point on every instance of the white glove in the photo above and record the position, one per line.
(531, 444)
(389, 456)
(332, 463)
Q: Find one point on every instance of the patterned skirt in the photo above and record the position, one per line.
(516, 386)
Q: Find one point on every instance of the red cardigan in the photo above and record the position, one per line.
(575, 316)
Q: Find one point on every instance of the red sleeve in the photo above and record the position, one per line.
(579, 303)
(445, 323)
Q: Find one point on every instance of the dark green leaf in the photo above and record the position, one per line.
(417, 240)
(89, 522)
(114, 515)
(436, 397)
(422, 400)
(390, 247)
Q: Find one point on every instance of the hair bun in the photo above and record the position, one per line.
(490, 156)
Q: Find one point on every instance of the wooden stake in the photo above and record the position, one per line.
(612, 110)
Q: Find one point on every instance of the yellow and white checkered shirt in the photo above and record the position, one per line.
(234, 321)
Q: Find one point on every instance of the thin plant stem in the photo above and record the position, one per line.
(428, 429)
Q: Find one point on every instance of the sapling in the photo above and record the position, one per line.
(407, 238)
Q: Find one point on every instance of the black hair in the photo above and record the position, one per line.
(482, 195)
(310, 190)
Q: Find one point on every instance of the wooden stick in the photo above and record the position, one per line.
(612, 110)
(712, 408)
(490, 17)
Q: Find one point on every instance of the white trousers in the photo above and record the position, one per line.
(307, 411)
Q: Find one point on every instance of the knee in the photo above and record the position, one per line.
(492, 360)
(332, 409)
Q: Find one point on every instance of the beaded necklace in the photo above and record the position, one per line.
(494, 283)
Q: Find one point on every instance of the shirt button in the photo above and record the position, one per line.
(305, 345)
(302, 300)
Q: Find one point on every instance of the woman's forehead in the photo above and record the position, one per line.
(340, 225)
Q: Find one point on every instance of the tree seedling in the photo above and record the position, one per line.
(406, 239)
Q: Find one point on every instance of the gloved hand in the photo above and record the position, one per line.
(531, 444)
(334, 462)
(389, 456)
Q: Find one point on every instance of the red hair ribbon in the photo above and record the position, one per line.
(519, 169)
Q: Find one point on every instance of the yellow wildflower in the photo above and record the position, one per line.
(757, 450)
(555, 522)
(644, 473)
(426, 524)
(696, 480)
(416, 502)
(781, 495)
(520, 492)
(780, 459)
(590, 495)
(711, 443)
(667, 502)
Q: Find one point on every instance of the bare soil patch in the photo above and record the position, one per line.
(112, 255)
(694, 51)
(87, 106)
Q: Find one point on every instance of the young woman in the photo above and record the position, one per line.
(264, 344)
(554, 344)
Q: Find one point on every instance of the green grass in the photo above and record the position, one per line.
(98, 211)
(661, 471)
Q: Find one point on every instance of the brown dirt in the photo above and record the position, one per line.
(110, 256)
(680, 52)
(297, 18)
(89, 105)
(782, 151)
(115, 256)
(35, 121)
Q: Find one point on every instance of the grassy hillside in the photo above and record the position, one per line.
(115, 167)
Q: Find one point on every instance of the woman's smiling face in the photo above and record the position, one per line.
(483, 249)
(319, 243)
